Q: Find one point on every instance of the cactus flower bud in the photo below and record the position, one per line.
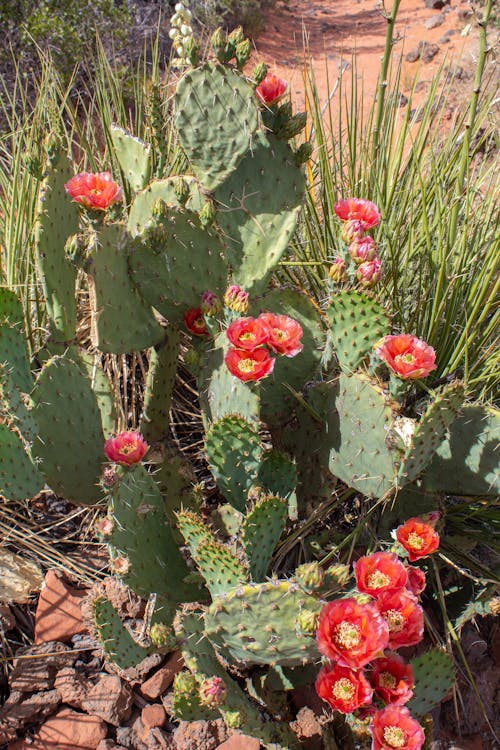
(303, 153)
(210, 304)
(368, 273)
(236, 299)
(236, 36)
(338, 271)
(233, 719)
(120, 565)
(307, 621)
(207, 214)
(213, 692)
(104, 526)
(259, 72)
(192, 50)
(352, 231)
(243, 52)
(181, 190)
(162, 636)
(294, 126)
(310, 575)
(363, 250)
(218, 40)
(185, 684)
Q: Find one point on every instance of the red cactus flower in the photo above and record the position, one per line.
(418, 538)
(97, 191)
(351, 633)
(404, 617)
(271, 89)
(364, 249)
(380, 572)
(343, 688)
(393, 679)
(407, 356)
(126, 448)
(394, 729)
(358, 209)
(284, 334)
(249, 365)
(247, 333)
(416, 580)
(195, 322)
(368, 273)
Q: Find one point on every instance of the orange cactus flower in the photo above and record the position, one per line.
(393, 679)
(271, 89)
(343, 688)
(249, 365)
(284, 334)
(247, 333)
(358, 209)
(407, 356)
(96, 191)
(126, 448)
(418, 538)
(394, 729)
(379, 573)
(404, 617)
(351, 633)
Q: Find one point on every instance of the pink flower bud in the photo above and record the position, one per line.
(368, 273)
(338, 271)
(236, 299)
(352, 230)
(213, 692)
(363, 250)
(210, 304)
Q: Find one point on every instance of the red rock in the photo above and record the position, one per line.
(308, 729)
(58, 614)
(194, 735)
(157, 739)
(69, 730)
(109, 745)
(72, 687)
(153, 716)
(163, 677)
(240, 742)
(109, 698)
(20, 709)
(31, 675)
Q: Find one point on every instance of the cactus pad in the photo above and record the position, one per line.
(121, 320)
(19, 475)
(258, 208)
(134, 157)
(468, 460)
(258, 624)
(167, 191)
(70, 440)
(434, 676)
(116, 641)
(430, 431)
(216, 117)
(260, 533)
(155, 422)
(234, 453)
(356, 323)
(57, 220)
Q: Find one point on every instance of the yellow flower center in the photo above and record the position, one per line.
(199, 323)
(343, 689)
(377, 580)
(387, 680)
(415, 541)
(127, 448)
(280, 334)
(347, 635)
(246, 365)
(394, 736)
(407, 358)
(247, 336)
(395, 620)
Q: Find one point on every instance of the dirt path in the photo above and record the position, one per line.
(334, 29)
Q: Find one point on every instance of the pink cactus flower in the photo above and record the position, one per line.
(95, 191)
(213, 692)
(358, 209)
(394, 729)
(407, 356)
(126, 448)
(210, 304)
(271, 89)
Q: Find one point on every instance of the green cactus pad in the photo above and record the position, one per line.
(193, 529)
(155, 421)
(257, 624)
(234, 452)
(430, 431)
(258, 208)
(57, 220)
(356, 323)
(278, 475)
(434, 676)
(167, 191)
(70, 440)
(101, 386)
(186, 700)
(11, 310)
(219, 567)
(19, 475)
(121, 320)
(220, 391)
(16, 380)
(216, 117)
(294, 372)
(177, 262)
(116, 641)
(134, 157)
(260, 533)
(359, 419)
(143, 536)
(468, 461)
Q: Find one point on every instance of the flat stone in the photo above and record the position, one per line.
(69, 729)
(240, 742)
(20, 709)
(436, 4)
(413, 55)
(109, 745)
(72, 686)
(30, 675)
(110, 699)
(58, 614)
(428, 52)
(194, 735)
(137, 674)
(153, 716)
(434, 21)
(163, 677)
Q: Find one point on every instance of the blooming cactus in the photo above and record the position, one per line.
(126, 448)
(284, 334)
(96, 191)
(358, 209)
(351, 633)
(393, 727)
(379, 573)
(407, 356)
(418, 538)
(271, 89)
(343, 688)
(249, 365)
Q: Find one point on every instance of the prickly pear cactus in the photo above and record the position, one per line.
(434, 676)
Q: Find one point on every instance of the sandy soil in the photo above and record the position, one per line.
(335, 29)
